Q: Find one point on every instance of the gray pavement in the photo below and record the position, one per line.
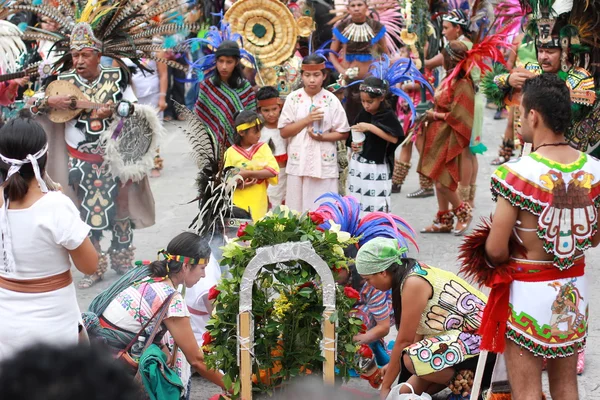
(176, 187)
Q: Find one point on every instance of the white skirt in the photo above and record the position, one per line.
(370, 183)
(32, 318)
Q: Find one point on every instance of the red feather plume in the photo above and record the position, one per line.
(482, 55)
(472, 254)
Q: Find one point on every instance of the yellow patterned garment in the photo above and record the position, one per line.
(449, 322)
(258, 157)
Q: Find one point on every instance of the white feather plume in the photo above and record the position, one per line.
(11, 47)
(562, 6)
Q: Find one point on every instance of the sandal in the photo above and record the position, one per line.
(421, 193)
(464, 215)
(167, 118)
(181, 117)
(90, 280)
(443, 223)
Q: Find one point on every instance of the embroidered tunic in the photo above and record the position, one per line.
(449, 322)
(584, 134)
(307, 157)
(549, 316)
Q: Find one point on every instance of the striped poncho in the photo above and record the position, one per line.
(217, 105)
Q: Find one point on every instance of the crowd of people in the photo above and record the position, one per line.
(97, 82)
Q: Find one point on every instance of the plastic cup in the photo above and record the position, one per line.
(358, 138)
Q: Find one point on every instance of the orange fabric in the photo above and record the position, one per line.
(446, 139)
(41, 285)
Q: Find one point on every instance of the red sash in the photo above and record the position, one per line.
(496, 312)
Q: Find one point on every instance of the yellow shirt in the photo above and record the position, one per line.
(256, 158)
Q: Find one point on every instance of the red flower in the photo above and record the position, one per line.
(242, 229)
(351, 293)
(206, 338)
(306, 285)
(213, 293)
(363, 328)
(317, 217)
(365, 351)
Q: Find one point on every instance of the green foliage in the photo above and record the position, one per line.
(286, 306)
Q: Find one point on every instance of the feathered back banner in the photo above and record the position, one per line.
(345, 211)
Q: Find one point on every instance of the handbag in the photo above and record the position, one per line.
(396, 395)
(159, 315)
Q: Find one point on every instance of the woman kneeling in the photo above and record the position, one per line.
(118, 314)
(437, 316)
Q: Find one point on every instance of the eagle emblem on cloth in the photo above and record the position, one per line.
(568, 222)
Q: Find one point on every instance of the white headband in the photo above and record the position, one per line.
(15, 167)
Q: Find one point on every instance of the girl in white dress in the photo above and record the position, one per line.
(41, 232)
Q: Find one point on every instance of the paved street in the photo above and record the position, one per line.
(177, 186)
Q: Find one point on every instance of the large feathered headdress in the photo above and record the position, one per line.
(11, 47)
(394, 75)
(119, 29)
(345, 211)
(214, 37)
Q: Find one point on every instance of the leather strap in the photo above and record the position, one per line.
(40, 285)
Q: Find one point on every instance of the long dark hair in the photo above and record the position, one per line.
(237, 79)
(18, 138)
(399, 272)
(186, 244)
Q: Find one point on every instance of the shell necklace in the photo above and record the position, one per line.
(359, 32)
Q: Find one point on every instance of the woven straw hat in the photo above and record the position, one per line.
(268, 28)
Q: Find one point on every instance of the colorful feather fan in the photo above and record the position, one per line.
(126, 28)
(472, 256)
(510, 17)
(489, 87)
(345, 211)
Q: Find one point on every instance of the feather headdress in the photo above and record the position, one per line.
(394, 75)
(345, 211)
(123, 29)
(510, 16)
(215, 35)
(11, 47)
(215, 183)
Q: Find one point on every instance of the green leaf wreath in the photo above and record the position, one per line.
(286, 305)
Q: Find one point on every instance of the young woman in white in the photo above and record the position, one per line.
(41, 232)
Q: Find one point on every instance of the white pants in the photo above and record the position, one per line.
(303, 191)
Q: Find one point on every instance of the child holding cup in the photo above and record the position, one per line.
(374, 137)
